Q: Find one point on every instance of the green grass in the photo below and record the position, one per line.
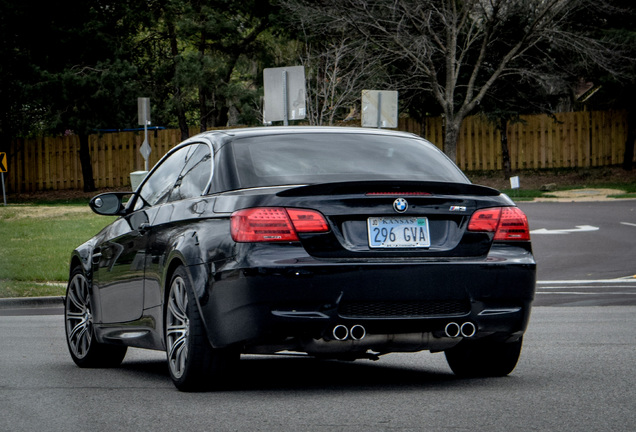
(36, 244)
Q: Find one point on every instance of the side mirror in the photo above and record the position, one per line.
(109, 204)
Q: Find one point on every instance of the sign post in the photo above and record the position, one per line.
(284, 94)
(514, 184)
(3, 169)
(143, 110)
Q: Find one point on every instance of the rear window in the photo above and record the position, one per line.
(309, 158)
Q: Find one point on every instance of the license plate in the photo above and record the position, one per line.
(398, 232)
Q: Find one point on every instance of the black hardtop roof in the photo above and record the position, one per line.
(285, 130)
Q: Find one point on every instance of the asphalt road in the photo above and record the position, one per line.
(575, 373)
(583, 240)
(585, 252)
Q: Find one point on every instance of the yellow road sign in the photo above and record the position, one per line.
(3, 162)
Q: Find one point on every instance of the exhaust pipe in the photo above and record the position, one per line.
(468, 329)
(357, 332)
(340, 332)
(452, 330)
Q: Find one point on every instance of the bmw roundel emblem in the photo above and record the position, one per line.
(400, 205)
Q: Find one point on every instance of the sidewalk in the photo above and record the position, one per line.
(17, 303)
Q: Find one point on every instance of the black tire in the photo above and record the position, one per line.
(193, 364)
(84, 348)
(473, 359)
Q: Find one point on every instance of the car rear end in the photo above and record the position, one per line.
(379, 260)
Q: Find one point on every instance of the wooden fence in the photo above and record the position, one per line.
(569, 140)
(576, 139)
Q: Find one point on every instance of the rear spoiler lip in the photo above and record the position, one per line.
(390, 186)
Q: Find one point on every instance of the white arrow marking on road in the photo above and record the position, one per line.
(629, 224)
(579, 228)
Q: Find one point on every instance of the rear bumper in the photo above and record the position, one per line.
(291, 303)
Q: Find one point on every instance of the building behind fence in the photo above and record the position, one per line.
(567, 140)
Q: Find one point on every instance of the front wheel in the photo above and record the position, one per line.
(80, 335)
(484, 358)
(194, 365)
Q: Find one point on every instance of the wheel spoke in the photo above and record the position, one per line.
(72, 295)
(83, 340)
(177, 313)
(180, 296)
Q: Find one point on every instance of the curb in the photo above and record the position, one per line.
(31, 302)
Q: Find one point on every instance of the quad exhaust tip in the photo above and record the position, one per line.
(341, 332)
(454, 330)
(357, 332)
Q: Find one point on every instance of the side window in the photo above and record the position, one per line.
(157, 188)
(195, 175)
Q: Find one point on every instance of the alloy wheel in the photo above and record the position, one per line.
(177, 324)
(79, 317)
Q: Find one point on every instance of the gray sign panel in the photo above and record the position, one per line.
(284, 94)
(143, 111)
(379, 108)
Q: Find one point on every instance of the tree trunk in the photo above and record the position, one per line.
(505, 154)
(85, 161)
(451, 136)
(628, 156)
(183, 123)
(221, 116)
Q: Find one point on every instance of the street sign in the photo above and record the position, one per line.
(145, 149)
(143, 111)
(379, 108)
(284, 94)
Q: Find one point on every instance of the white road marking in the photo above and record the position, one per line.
(579, 228)
(585, 293)
(625, 280)
(628, 224)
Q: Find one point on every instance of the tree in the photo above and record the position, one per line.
(337, 70)
(338, 66)
(614, 89)
(456, 50)
(508, 100)
(222, 35)
(77, 76)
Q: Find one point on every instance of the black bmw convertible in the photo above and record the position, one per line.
(341, 243)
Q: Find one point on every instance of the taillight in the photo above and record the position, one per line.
(274, 224)
(307, 220)
(508, 223)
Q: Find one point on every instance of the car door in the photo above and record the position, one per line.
(119, 261)
(172, 218)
